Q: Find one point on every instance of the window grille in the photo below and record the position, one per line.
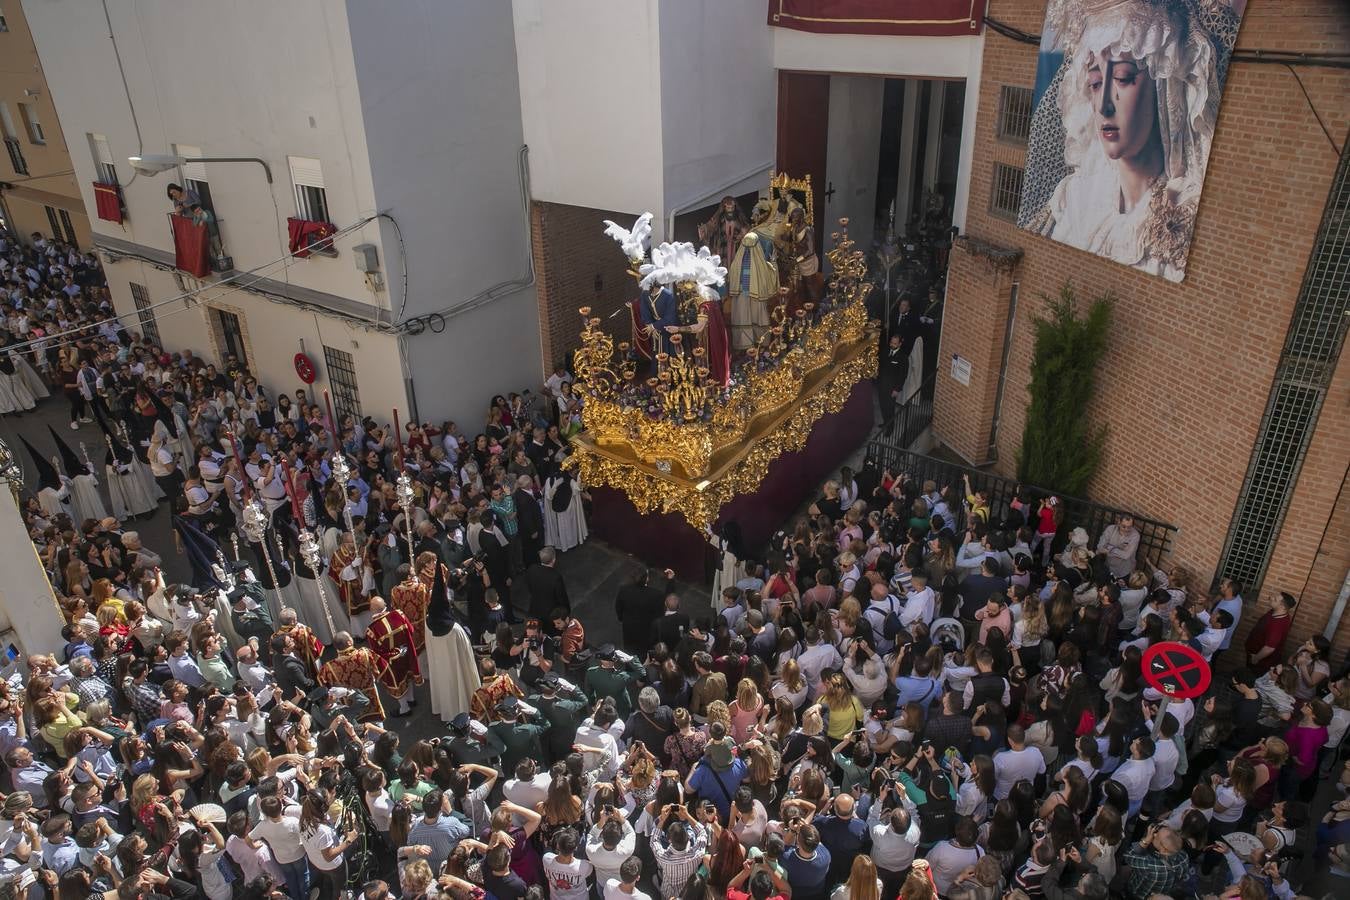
(341, 370)
(1014, 114)
(149, 327)
(16, 160)
(1311, 348)
(231, 334)
(1005, 197)
(68, 227)
(53, 223)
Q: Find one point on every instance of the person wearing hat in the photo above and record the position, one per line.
(607, 679)
(563, 709)
(471, 742)
(520, 739)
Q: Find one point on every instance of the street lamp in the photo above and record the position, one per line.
(153, 163)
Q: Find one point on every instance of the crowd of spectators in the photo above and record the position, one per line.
(908, 693)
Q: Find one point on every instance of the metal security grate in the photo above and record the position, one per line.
(16, 160)
(149, 327)
(1311, 348)
(1014, 114)
(1005, 197)
(342, 377)
(53, 222)
(68, 227)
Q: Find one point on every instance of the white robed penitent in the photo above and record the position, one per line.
(452, 672)
(566, 529)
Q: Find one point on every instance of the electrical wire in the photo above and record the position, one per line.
(37, 177)
(403, 257)
(261, 271)
(1313, 109)
(501, 289)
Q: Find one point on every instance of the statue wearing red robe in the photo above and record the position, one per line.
(390, 638)
(358, 668)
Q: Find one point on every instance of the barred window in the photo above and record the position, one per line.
(342, 377)
(149, 327)
(1014, 114)
(1005, 196)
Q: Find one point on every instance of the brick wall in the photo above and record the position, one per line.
(1187, 374)
(570, 250)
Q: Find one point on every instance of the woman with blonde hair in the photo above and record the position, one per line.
(783, 721)
(790, 685)
(1031, 626)
(718, 711)
(76, 576)
(862, 884)
(684, 748)
(846, 712)
(746, 711)
(416, 879)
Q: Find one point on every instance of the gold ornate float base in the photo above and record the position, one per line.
(736, 469)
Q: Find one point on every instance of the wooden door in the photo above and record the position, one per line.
(803, 132)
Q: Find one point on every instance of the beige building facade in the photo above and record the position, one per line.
(38, 191)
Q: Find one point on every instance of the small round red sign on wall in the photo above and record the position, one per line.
(304, 367)
(1177, 671)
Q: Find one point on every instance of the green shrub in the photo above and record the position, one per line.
(1060, 450)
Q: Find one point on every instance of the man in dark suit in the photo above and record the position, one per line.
(891, 371)
(529, 518)
(636, 605)
(291, 672)
(672, 623)
(546, 587)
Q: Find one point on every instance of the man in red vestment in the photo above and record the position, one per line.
(345, 570)
(390, 637)
(412, 594)
(358, 669)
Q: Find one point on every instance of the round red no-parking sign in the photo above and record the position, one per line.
(1177, 671)
(304, 367)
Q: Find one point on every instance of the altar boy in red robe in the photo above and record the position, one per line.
(390, 636)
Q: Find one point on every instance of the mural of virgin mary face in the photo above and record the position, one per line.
(1134, 103)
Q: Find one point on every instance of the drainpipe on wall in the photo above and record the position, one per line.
(1338, 609)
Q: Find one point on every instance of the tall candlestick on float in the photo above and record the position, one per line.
(398, 438)
(332, 419)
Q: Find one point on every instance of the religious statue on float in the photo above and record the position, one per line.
(723, 232)
(752, 287)
(678, 296)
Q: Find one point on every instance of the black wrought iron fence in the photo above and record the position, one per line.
(911, 417)
(1155, 537)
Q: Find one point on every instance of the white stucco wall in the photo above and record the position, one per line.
(439, 99)
(244, 78)
(719, 95)
(591, 95)
(273, 334)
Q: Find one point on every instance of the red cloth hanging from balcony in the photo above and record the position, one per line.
(190, 246)
(913, 17)
(108, 201)
(307, 237)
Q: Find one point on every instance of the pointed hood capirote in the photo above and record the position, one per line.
(73, 465)
(47, 474)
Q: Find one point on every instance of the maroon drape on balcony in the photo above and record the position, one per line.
(916, 17)
(108, 201)
(190, 246)
(307, 237)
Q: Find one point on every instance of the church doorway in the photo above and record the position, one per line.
(885, 153)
